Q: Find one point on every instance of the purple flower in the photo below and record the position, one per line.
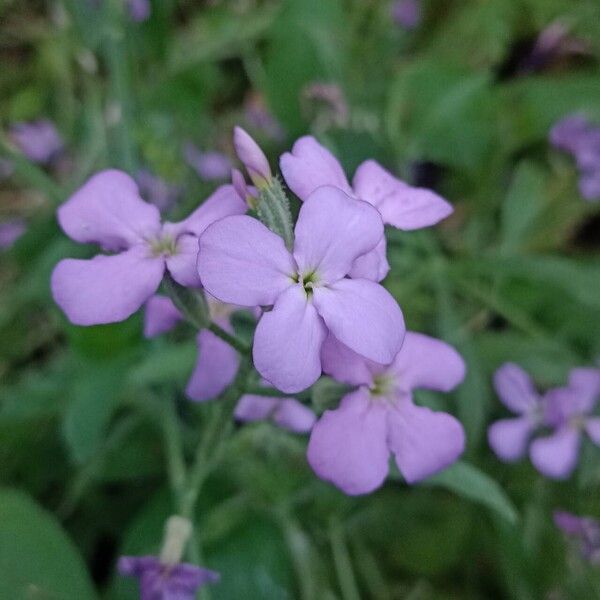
(327, 102)
(165, 582)
(108, 211)
(210, 166)
(350, 446)
(139, 10)
(10, 232)
(156, 190)
(310, 166)
(286, 413)
(568, 411)
(252, 157)
(242, 262)
(217, 361)
(509, 438)
(585, 529)
(261, 119)
(247, 193)
(567, 133)
(407, 13)
(38, 140)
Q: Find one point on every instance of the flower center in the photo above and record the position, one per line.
(164, 246)
(383, 385)
(308, 280)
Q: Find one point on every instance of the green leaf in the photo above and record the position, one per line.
(469, 482)
(37, 559)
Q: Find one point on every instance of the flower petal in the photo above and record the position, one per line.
(332, 231)
(252, 407)
(244, 263)
(515, 388)
(215, 368)
(294, 416)
(108, 211)
(348, 445)
(310, 165)
(183, 264)
(556, 455)
(287, 342)
(586, 382)
(346, 365)
(508, 438)
(106, 289)
(426, 362)
(400, 204)
(373, 265)
(423, 442)
(362, 315)
(223, 202)
(160, 316)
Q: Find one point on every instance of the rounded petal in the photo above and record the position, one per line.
(373, 265)
(569, 523)
(109, 211)
(515, 388)
(364, 316)
(586, 382)
(106, 289)
(287, 342)
(556, 455)
(215, 368)
(562, 404)
(592, 427)
(508, 438)
(347, 366)
(160, 316)
(182, 264)
(252, 407)
(332, 231)
(294, 416)
(426, 362)
(348, 445)
(223, 202)
(242, 262)
(400, 204)
(310, 165)
(423, 442)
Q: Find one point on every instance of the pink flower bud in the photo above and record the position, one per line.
(253, 157)
(244, 192)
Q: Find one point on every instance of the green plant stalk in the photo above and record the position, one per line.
(273, 210)
(343, 564)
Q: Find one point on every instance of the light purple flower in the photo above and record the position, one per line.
(585, 529)
(38, 140)
(139, 10)
(407, 13)
(252, 157)
(566, 133)
(261, 119)
(108, 211)
(165, 582)
(242, 262)
(509, 438)
(310, 165)
(10, 232)
(217, 362)
(210, 166)
(569, 412)
(286, 413)
(351, 446)
(156, 190)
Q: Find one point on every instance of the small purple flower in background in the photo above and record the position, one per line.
(508, 438)
(568, 412)
(310, 165)
(108, 211)
(585, 530)
(38, 140)
(351, 446)
(217, 362)
(210, 166)
(156, 190)
(165, 582)
(286, 413)
(139, 10)
(576, 135)
(10, 232)
(259, 117)
(407, 13)
(325, 104)
(244, 263)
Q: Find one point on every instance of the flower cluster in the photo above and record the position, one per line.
(565, 412)
(576, 135)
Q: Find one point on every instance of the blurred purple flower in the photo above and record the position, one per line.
(165, 582)
(139, 10)
(209, 166)
(310, 165)
(568, 412)
(350, 446)
(217, 361)
(286, 413)
(407, 13)
(509, 438)
(156, 190)
(585, 530)
(38, 140)
(10, 232)
(242, 262)
(259, 118)
(325, 104)
(108, 211)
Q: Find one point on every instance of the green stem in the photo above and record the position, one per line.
(174, 448)
(233, 341)
(343, 564)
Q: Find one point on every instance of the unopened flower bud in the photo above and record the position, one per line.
(244, 192)
(253, 157)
